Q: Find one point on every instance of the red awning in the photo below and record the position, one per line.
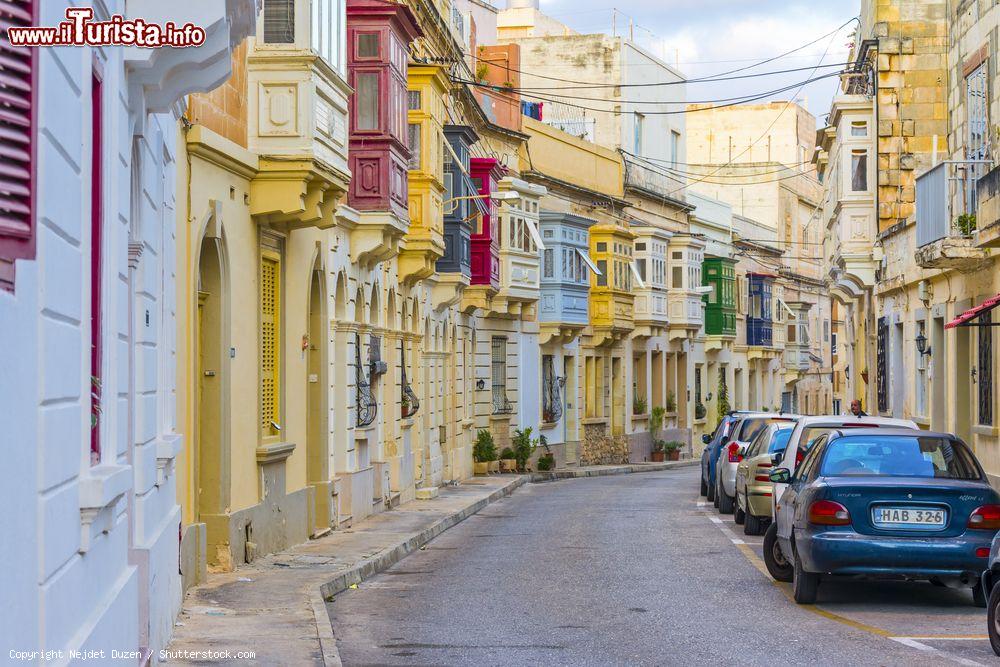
(973, 313)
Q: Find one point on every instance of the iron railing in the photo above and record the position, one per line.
(501, 404)
(552, 409)
(947, 200)
(367, 407)
(985, 372)
(407, 398)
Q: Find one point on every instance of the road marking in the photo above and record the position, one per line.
(956, 638)
(912, 643)
(786, 590)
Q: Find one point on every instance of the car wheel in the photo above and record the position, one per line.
(993, 619)
(711, 494)
(726, 502)
(804, 584)
(979, 595)
(937, 582)
(777, 565)
(752, 524)
(739, 516)
(704, 487)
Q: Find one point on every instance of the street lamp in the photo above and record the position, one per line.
(921, 341)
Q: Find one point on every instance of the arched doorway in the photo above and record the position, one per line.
(317, 460)
(212, 453)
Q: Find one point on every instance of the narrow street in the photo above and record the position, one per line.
(633, 569)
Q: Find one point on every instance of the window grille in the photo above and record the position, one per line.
(501, 404)
(407, 398)
(882, 371)
(552, 409)
(366, 406)
(984, 375)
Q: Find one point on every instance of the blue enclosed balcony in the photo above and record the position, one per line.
(760, 318)
(459, 210)
(566, 269)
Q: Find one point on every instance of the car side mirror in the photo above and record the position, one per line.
(743, 450)
(776, 456)
(781, 475)
(706, 438)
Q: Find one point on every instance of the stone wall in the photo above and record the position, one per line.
(599, 448)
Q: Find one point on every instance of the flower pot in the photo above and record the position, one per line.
(656, 457)
(675, 455)
(508, 465)
(481, 468)
(494, 466)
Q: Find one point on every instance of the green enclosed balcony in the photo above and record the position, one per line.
(719, 274)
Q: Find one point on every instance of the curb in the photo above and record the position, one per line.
(537, 477)
(392, 555)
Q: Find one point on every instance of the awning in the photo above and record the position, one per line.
(965, 318)
(790, 311)
(635, 274)
(533, 232)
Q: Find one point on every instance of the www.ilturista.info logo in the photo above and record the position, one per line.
(79, 29)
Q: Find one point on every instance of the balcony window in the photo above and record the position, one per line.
(326, 31)
(414, 100)
(548, 270)
(366, 46)
(640, 266)
(859, 171)
(602, 273)
(859, 128)
(413, 141)
(976, 105)
(366, 90)
(677, 277)
(279, 21)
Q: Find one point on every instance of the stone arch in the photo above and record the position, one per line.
(317, 415)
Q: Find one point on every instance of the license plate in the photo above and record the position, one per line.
(908, 516)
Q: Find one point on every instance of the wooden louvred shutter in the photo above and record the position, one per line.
(18, 86)
(270, 315)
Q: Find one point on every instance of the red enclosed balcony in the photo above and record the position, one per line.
(486, 172)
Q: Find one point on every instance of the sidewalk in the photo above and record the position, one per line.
(274, 607)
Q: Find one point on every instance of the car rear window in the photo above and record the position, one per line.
(780, 440)
(752, 427)
(898, 456)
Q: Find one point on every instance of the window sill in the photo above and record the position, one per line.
(591, 421)
(101, 488)
(167, 449)
(986, 431)
(545, 426)
(274, 452)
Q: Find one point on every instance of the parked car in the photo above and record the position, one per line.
(887, 503)
(753, 481)
(807, 430)
(990, 579)
(710, 455)
(746, 429)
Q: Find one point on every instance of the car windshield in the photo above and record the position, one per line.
(752, 427)
(899, 456)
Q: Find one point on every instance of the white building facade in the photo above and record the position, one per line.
(87, 307)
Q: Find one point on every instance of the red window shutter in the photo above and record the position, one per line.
(18, 117)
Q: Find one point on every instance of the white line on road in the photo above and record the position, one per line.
(913, 643)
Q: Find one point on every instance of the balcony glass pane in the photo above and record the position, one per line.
(367, 45)
(366, 84)
(279, 21)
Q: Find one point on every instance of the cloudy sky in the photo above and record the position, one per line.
(710, 36)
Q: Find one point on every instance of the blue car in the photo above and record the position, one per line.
(710, 455)
(885, 503)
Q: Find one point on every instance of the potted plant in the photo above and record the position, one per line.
(508, 462)
(546, 462)
(524, 447)
(639, 405)
(671, 402)
(405, 406)
(700, 411)
(674, 450)
(966, 224)
(484, 451)
(657, 455)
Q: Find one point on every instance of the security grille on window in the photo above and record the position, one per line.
(881, 370)
(408, 399)
(501, 404)
(366, 406)
(551, 399)
(279, 21)
(984, 374)
(976, 103)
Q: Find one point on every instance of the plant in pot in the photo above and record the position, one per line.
(639, 405)
(483, 452)
(673, 449)
(655, 424)
(546, 462)
(700, 411)
(524, 446)
(671, 402)
(508, 462)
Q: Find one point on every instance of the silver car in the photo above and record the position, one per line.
(731, 453)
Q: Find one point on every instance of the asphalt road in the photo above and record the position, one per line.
(632, 569)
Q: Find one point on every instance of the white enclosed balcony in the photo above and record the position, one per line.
(520, 247)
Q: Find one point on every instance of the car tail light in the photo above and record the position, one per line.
(829, 513)
(762, 478)
(986, 517)
(763, 465)
(734, 452)
(983, 552)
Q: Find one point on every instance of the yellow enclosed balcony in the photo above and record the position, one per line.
(297, 119)
(423, 245)
(611, 297)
